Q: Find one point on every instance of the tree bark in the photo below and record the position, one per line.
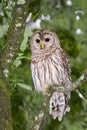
(14, 38)
(5, 106)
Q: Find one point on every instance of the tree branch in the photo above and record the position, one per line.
(42, 118)
(74, 85)
(14, 35)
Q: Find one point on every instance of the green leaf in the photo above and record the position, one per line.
(24, 44)
(3, 30)
(20, 54)
(27, 33)
(21, 2)
(17, 62)
(24, 86)
(9, 14)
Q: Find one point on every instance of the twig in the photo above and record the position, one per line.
(81, 95)
(44, 122)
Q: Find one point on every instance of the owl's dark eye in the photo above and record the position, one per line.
(47, 39)
(38, 40)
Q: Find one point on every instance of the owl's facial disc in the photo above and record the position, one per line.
(42, 42)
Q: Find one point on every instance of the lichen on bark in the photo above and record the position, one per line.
(14, 38)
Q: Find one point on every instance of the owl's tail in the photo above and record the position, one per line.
(59, 105)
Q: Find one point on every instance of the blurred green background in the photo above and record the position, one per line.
(68, 18)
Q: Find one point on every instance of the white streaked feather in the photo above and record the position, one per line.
(54, 74)
(35, 78)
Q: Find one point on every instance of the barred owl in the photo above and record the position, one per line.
(50, 66)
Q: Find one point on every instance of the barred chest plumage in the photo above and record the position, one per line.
(48, 72)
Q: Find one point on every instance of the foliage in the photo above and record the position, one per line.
(65, 21)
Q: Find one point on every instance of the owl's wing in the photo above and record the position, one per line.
(59, 101)
(66, 62)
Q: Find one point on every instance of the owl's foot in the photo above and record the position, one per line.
(58, 105)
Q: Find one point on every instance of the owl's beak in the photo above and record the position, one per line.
(42, 44)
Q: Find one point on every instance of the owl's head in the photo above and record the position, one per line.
(44, 40)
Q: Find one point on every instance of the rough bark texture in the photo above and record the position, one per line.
(5, 106)
(14, 35)
(14, 38)
(42, 118)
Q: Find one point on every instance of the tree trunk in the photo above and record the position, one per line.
(14, 38)
(5, 105)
